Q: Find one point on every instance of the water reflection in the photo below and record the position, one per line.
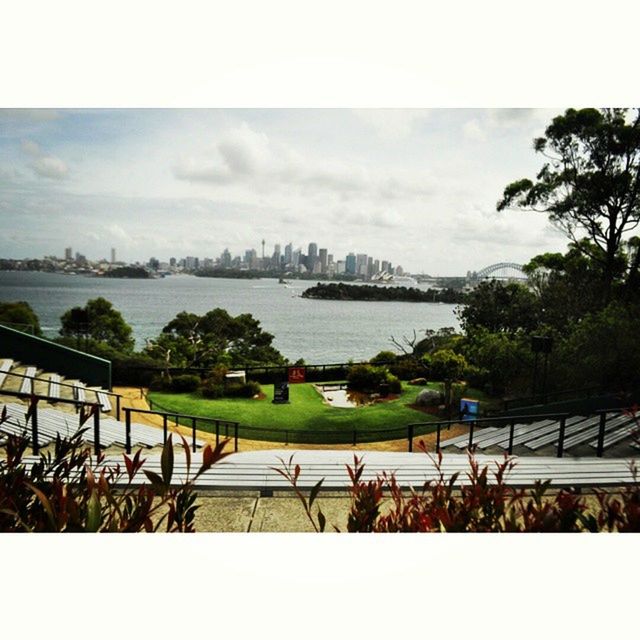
(340, 396)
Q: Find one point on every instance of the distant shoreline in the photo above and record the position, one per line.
(373, 293)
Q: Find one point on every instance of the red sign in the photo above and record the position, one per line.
(296, 374)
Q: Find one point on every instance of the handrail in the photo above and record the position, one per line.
(118, 396)
(167, 414)
(34, 415)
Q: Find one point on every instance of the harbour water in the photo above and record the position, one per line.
(320, 331)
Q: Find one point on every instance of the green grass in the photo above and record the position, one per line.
(306, 419)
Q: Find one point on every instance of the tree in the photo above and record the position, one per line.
(215, 338)
(98, 321)
(590, 182)
(20, 315)
(497, 306)
(447, 366)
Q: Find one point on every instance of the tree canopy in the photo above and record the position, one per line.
(590, 182)
(98, 321)
(20, 315)
(190, 340)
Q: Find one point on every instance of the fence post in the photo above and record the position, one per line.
(34, 426)
(603, 419)
(561, 437)
(235, 439)
(96, 428)
(471, 427)
(217, 432)
(193, 427)
(355, 437)
(286, 437)
(438, 438)
(127, 428)
(118, 407)
(511, 430)
(410, 437)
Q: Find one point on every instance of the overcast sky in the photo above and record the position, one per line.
(417, 187)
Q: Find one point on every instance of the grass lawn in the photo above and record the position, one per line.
(306, 413)
(307, 418)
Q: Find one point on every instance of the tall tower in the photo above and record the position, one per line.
(262, 249)
(113, 255)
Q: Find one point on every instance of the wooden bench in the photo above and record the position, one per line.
(27, 381)
(103, 400)
(54, 385)
(79, 392)
(5, 367)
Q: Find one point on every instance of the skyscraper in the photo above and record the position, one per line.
(288, 253)
(113, 255)
(350, 264)
(312, 256)
(68, 254)
(323, 260)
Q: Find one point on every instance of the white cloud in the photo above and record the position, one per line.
(391, 124)
(246, 157)
(473, 130)
(43, 165)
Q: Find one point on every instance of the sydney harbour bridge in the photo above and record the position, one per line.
(505, 271)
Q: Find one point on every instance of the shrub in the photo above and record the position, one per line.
(479, 505)
(185, 383)
(211, 390)
(366, 378)
(383, 356)
(242, 389)
(64, 491)
(395, 386)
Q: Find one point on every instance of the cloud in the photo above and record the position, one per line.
(473, 130)
(42, 164)
(391, 124)
(243, 156)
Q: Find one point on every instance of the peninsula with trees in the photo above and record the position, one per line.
(341, 291)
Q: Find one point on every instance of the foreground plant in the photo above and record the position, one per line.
(482, 503)
(67, 490)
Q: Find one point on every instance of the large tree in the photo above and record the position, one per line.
(590, 182)
(215, 338)
(20, 315)
(99, 321)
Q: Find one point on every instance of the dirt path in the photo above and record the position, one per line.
(132, 397)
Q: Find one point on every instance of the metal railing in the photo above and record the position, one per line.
(218, 424)
(511, 421)
(34, 379)
(32, 415)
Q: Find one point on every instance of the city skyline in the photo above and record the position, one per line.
(417, 185)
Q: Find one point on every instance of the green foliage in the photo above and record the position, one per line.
(242, 389)
(383, 357)
(484, 503)
(606, 344)
(367, 378)
(340, 291)
(216, 338)
(211, 389)
(65, 490)
(98, 321)
(500, 362)
(497, 306)
(448, 366)
(20, 316)
(185, 383)
(590, 181)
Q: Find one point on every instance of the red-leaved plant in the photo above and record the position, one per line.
(68, 490)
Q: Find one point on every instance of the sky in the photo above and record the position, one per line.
(417, 187)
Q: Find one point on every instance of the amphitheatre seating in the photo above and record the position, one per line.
(5, 367)
(54, 385)
(611, 424)
(501, 438)
(79, 392)
(52, 422)
(103, 401)
(465, 437)
(627, 430)
(27, 382)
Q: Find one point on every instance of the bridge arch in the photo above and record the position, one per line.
(501, 271)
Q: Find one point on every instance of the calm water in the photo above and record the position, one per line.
(316, 330)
